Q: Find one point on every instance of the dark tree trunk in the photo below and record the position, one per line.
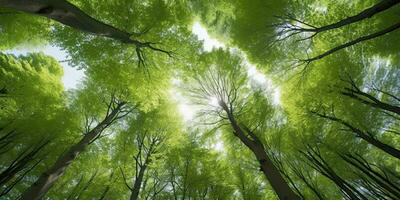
(105, 191)
(355, 93)
(365, 136)
(318, 163)
(19, 163)
(75, 189)
(70, 15)
(86, 185)
(353, 42)
(48, 178)
(367, 13)
(278, 183)
(138, 183)
(359, 163)
(20, 177)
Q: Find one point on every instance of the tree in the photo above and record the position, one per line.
(70, 15)
(116, 109)
(228, 87)
(147, 146)
(203, 125)
(290, 26)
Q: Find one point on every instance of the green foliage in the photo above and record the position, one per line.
(201, 158)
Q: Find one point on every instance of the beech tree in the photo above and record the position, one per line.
(200, 99)
(226, 88)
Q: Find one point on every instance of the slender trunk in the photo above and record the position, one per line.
(20, 163)
(365, 136)
(138, 182)
(49, 177)
(270, 171)
(367, 13)
(6, 141)
(70, 15)
(370, 100)
(15, 182)
(380, 145)
(104, 193)
(365, 168)
(319, 164)
(353, 42)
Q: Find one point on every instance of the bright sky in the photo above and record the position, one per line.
(256, 78)
(71, 77)
(208, 42)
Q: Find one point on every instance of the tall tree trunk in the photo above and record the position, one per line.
(90, 181)
(19, 178)
(138, 183)
(49, 177)
(353, 42)
(355, 93)
(19, 163)
(70, 15)
(319, 164)
(278, 183)
(365, 136)
(359, 163)
(367, 13)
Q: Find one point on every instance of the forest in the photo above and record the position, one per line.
(200, 99)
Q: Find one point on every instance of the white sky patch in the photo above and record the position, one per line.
(259, 80)
(208, 42)
(213, 101)
(219, 144)
(72, 76)
(186, 110)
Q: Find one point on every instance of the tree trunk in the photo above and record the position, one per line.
(270, 171)
(382, 146)
(105, 191)
(353, 42)
(70, 15)
(19, 163)
(370, 100)
(378, 178)
(319, 164)
(48, 178)
(138, 182)
(367, 13)
(365, 136)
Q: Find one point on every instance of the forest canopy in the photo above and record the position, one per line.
(201, 99)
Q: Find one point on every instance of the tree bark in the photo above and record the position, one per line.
(270, 171)
(19, 163)
(381, 180)
(137, 184)
(70, 15)
(353, 42)
(49, 177)
(365, 136)
(319, 164)
(370, 100)
(367, 13)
